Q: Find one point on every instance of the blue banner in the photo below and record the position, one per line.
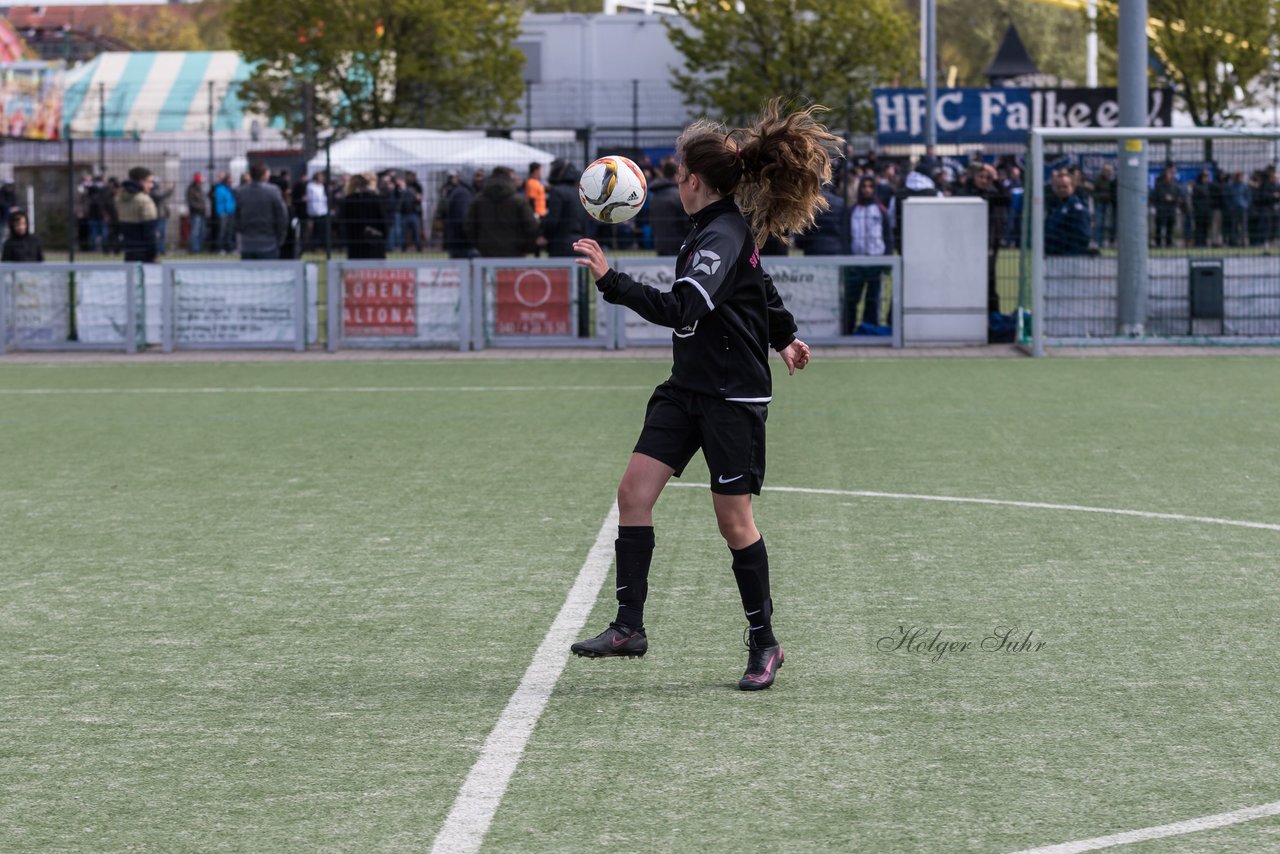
(1003, 115)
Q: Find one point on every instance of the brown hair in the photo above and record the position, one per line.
(775, 169)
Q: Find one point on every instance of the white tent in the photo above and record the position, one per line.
(427, 153)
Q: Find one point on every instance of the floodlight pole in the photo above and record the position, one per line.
(1091, 46)
(930, 24)
(1131, 176)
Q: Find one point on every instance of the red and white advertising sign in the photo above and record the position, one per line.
(532, 302)
(380, 302)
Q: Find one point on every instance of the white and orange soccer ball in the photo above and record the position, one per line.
(612, 189)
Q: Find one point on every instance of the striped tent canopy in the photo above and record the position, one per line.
(129, 94)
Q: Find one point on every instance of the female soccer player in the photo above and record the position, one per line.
(738, 187)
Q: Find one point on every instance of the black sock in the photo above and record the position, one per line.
(634, 551)
(751, 570)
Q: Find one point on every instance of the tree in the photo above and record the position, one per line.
(970, 32)
(580, 6)
(211, 20)
(1213, 52)
(738, 56)
(162, 29)
(399, 63)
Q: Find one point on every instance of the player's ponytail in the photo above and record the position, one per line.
(775, 168)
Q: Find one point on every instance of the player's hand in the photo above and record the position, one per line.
(795, 356)
(594, 257)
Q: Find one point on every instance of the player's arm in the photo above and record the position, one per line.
(692, 296)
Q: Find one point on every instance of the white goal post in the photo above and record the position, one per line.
(1075, 299)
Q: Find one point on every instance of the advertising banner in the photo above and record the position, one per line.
(253, 307)
(379, 302)
(1003, 115)
(39, 307)
(635, 329)
(532, 301)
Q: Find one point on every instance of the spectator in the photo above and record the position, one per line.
(984, 184)
(827, 236)
(161, 197)
(81, 211)
(197, 213)
(1012, 182)
(137, 213)
(298, 205)
(390, 193)
(500, 222)
(96, 214)
(457, 199)
(261, 217)
(224, 209)
(566, 220)
(870, 232)
(1268, 198)
(410, 213)
(1066, 221)
(362, 218)
(1104, 206)
(1235, 210)
(110, 195)
(667, 218)
(535, 191)
(1166, 198)
(282, 182)
(21, 247)
(318, 210)
(1201, 208)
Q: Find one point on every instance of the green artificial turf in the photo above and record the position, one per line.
(279, 607)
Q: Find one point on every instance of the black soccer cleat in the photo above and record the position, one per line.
(762, 666)
(617, 641)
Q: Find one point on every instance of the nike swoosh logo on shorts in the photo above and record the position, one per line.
(723, 479)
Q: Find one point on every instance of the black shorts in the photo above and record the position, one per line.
(730, 434)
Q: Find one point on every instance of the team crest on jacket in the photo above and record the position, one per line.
(705, 261)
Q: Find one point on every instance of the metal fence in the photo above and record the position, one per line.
(1213, 218)
(408, 303)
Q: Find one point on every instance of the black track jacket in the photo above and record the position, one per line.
(723, 307)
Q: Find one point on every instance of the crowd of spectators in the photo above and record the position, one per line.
(495, 213)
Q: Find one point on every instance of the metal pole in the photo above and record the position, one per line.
(528, 113)
(72, 236)
(212, 179)
(102, 129)
(1091, 46)
(931, 74)
(1033, 198)
(1131, 178)
(635, 116)
(1274, 44)
(328, 178)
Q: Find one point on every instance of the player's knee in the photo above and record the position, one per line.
(736, 531)
(632, 498)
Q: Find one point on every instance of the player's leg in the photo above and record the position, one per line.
(734, 447)
(638, 492)
(667, 443)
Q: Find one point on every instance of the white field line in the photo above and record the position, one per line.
(425, 389)
(1178, 828)
(477, 802)
(1036, 505)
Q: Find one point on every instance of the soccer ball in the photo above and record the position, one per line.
(612, 189)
